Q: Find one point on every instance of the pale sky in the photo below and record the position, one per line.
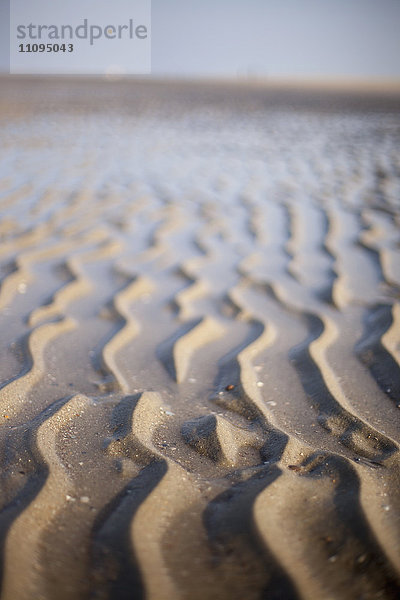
(286, 38)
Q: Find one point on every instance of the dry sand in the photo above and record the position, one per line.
(200, 342)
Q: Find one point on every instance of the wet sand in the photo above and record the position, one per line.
(200, 341)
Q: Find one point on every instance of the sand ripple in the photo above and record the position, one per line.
(200, 317)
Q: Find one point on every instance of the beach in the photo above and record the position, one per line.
(200, 341)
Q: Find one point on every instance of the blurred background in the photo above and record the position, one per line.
(273, 39)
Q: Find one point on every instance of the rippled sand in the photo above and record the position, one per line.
(200, 341)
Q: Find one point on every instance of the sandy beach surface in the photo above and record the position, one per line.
(200, 341)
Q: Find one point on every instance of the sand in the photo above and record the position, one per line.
(200, 341)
